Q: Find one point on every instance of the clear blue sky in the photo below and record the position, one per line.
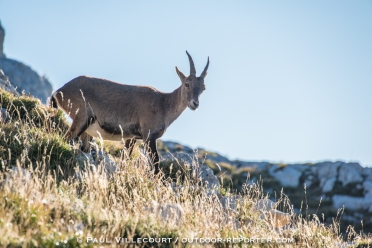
(289, 81)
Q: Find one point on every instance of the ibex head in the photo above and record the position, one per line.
(192, 86)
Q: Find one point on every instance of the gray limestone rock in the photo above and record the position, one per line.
(352, 203)
(367, 173)
(350, 173)
(168, 213)
(102, 161)
(288, 176)
(18, 175)
(4, 116)
(202, 172)
(327, 173)
(207, 176)
(328, 185)
(367, 185)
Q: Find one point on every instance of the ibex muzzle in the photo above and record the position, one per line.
(114, 111)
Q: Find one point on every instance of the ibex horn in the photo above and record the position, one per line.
(204, 73)
(192, 66)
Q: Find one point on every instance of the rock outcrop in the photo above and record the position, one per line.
(22, 76)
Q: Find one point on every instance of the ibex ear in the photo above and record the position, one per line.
(181, 75)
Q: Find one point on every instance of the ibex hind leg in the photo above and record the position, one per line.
(78, 127)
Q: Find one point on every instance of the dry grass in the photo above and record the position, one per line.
(45, 206)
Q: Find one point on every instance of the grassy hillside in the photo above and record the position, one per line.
(46, 203)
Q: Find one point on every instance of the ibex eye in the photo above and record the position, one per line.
(187, 85)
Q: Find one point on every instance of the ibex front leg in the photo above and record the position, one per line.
(129, 145)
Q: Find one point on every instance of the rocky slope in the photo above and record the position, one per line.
(22, 76)
(324, 187)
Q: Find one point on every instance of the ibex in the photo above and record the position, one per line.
(114, 111)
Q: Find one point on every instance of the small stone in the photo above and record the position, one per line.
(4, 116)
(169, 213)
